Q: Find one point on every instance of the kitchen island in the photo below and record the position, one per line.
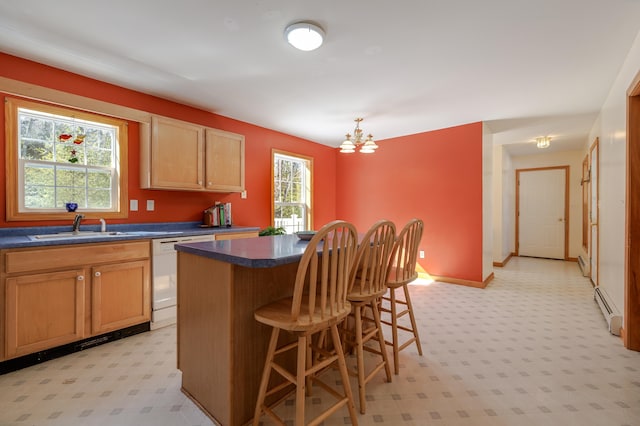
(221, 348)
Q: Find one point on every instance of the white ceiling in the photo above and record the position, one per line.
(527, 68)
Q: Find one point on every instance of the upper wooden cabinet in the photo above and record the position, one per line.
(184, 156)
(224, 161)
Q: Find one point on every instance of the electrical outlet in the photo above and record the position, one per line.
(421, 254)
(133, 205)
(150, 205)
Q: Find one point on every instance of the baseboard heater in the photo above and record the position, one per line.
(584, 266)
(614, 320)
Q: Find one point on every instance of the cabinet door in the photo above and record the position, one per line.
(43, 311)
(177, 155)
(120, 296)
(224, 161)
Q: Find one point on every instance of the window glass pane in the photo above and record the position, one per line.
(296, 192)
(38, 174)
(70, 177)
(39, 197)
(99, 157)
(296, 171)
(34, 128)
(72, 194)
(290, 217)
(99, 179)
(99, 198)
(36, 138)
(37, 150)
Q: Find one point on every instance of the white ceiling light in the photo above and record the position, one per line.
(304, 36)
(543, 142)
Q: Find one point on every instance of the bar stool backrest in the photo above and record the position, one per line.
(371, 267)
(323, 274)
(405, 253)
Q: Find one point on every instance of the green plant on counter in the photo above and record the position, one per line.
(270, 230)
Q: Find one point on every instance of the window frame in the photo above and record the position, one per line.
(308, 163)
(12, 161)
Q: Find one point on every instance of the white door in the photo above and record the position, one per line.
(541, 221)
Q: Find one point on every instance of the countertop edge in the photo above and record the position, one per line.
(178, 230)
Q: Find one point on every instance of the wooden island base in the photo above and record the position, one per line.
(221, 348)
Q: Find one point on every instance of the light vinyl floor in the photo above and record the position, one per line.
(530, 349)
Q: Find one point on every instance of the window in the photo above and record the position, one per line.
(57, 155)
(291, 191)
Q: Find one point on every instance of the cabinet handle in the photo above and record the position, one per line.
(97, 274)
(80, 278)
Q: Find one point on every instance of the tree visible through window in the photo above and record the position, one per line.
(63, 156)
(291, 192)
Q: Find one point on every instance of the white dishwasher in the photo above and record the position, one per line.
(164, 282)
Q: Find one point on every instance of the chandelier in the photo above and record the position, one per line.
(350, 144)
(543, 142)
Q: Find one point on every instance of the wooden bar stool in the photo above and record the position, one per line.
(368, 285)
(319, 302)
(402, 271)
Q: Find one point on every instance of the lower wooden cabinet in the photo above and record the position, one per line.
(120, 296)
(44, 311)
(70, 293)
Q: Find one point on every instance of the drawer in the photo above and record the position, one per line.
(60, 257)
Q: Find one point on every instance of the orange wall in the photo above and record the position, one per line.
(181, 206)
(435, 176)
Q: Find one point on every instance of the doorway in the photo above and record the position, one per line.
(542, 212)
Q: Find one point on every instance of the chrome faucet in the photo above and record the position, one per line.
(103, 225)
(76, 223)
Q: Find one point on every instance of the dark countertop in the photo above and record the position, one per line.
(259, 252)
(19, 237)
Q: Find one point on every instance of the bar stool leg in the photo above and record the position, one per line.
(266, 373)
(413, 319)
(383, 348)
(344, 374)
(301, 378)
(360, 356)
(394, 332)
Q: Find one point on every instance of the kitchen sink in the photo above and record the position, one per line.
(76, 235)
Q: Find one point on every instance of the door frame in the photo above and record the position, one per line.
(631, 325)
(594, 185)
(566, 205)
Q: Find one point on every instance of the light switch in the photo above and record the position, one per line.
(243, 195)
(133, 205)
(150, 205)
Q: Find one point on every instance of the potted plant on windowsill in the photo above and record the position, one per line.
(271, 230)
